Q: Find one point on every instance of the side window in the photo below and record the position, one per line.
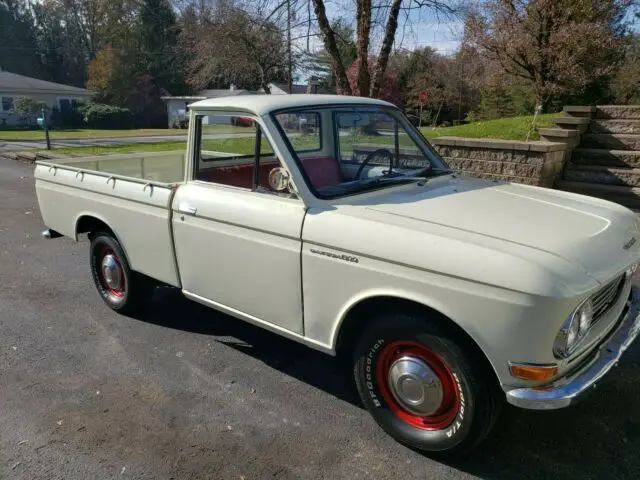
(302, 129)
(7, 104)
(232, 150)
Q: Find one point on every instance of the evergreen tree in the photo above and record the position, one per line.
(18, 46)
(159, 57)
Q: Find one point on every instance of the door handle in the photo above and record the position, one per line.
(187, 209)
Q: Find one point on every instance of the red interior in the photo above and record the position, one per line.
(237, 175)
(322, 171)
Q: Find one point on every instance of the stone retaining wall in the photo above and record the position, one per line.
(532, 163)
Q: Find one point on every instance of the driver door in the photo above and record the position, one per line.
(237, 243)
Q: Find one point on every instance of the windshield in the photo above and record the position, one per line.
(349, 149)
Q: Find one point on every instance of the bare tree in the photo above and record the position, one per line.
(389, 9)
(233, 44)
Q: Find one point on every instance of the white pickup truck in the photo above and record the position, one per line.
(331, 221)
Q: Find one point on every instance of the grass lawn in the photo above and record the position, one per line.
(514, 128)
(84, 133)
(505, 128)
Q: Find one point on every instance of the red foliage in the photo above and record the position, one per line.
(389, 89)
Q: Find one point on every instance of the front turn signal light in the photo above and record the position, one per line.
(533, 372)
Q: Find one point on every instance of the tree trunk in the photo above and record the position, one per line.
(363, 18)
(387, 43)
(342, 82)
(263, 83)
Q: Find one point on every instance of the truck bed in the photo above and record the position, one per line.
(128, 194)
(162, 167)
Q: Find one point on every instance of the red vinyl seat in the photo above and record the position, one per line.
(322, 171)
(238, 175)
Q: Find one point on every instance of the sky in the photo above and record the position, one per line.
(418, 28)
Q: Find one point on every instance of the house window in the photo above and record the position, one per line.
(7, 104)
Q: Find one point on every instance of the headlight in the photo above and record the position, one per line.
(573, 330)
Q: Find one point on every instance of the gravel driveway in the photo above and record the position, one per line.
(186, 392)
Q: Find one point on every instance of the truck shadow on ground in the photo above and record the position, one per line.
(597, 438)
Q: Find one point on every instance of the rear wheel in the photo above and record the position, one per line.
(422, 387)
(123, 290)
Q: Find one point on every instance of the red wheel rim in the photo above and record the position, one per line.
(112, 276)
(449, 406)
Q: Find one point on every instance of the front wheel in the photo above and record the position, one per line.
(122, 289)
(422, 388)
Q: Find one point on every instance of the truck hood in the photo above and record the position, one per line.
(592, 234)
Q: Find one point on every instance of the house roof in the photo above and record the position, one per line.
(263, 104)
(12, 82)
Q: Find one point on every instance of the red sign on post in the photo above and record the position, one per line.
(423, 97)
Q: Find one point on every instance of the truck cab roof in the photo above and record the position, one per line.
(263, 104)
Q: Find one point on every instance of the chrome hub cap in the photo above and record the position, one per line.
(112, 272)
(415, 386)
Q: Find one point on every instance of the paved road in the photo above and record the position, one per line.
(108, 142)
(189, 393)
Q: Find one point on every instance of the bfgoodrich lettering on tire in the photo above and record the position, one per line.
(423, 385)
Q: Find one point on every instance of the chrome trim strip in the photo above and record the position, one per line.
(566, 391)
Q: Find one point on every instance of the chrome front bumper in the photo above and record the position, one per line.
(566, 391)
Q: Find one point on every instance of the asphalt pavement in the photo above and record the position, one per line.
(185, 392)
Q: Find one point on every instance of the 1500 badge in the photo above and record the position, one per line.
(346, 258)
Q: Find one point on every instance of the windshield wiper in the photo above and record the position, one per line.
(425, 172)
(365, 184)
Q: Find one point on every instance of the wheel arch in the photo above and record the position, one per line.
(90, 222)
(355, 317)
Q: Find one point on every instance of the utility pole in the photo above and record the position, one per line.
(290, 60)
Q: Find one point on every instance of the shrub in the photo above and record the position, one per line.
(97, 115)
(28, 110)
(73, 118)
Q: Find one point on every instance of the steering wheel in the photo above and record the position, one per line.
(366, 161)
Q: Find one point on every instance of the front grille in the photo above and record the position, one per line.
(606, 297)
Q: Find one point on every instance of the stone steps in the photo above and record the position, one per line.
(602, 174)
(610, 158)
(615, 126)
(579, 111)
(624, 195)
(610, 141)
(580, 124)
(629, 112)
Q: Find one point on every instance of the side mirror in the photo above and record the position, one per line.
(279, 179)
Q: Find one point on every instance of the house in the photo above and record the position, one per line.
(57, 95)
(283, 89)
(178, 106)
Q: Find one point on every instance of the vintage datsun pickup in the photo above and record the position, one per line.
(331, 221)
